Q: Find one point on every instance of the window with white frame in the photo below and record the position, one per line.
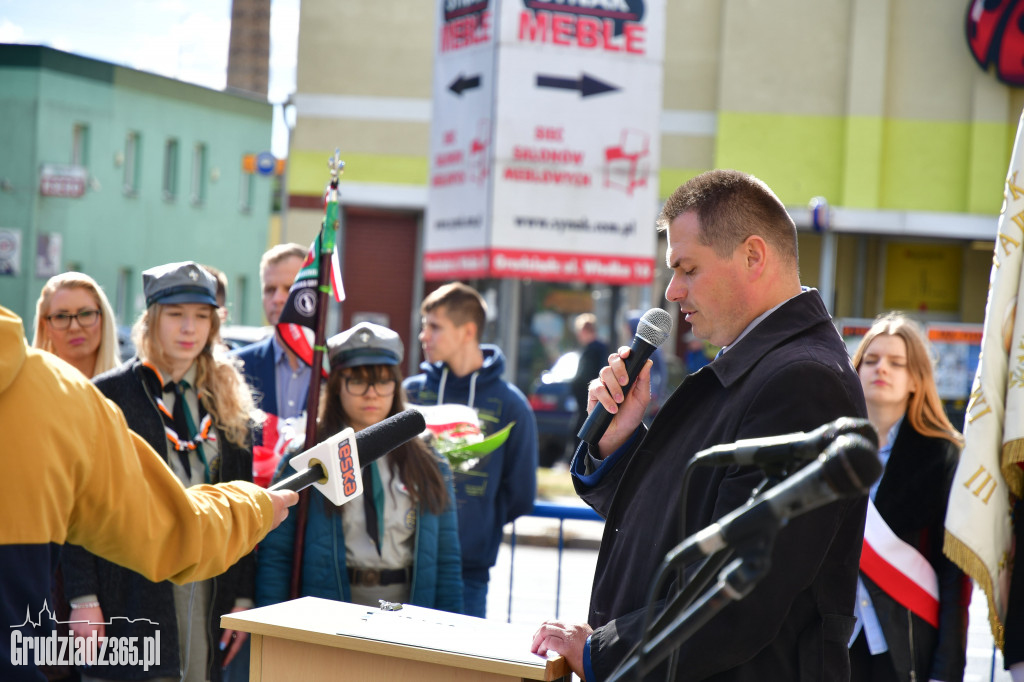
(80, 145)
(170, 181)
(198, 174)
(123, 294)
(132, 156)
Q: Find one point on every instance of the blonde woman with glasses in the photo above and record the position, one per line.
(75, 322)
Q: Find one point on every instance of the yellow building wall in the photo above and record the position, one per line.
(872, 104)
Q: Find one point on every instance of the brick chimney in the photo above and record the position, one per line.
(249, 46)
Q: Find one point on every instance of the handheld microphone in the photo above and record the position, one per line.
(381, 438)
(847, 468)
(790, 447)
(332, 465)
(651, 332)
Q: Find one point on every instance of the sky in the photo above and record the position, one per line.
(183, 39)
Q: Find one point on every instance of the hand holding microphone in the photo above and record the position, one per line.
(281, 500)
(610, 396)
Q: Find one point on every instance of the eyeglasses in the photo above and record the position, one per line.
(360, 387)
(86, 318)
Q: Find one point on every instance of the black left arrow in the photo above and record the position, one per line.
(461, 84)
(586, 85)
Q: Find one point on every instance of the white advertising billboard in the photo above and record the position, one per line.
(571, 91)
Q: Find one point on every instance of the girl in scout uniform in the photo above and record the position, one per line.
(399, 542)
(185, 397)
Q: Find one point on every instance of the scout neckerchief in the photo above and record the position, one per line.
(373, 503)
(179, 422)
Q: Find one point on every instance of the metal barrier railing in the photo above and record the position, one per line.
(549, 510)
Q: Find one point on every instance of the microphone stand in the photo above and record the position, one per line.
(712, 566)
(734, 583)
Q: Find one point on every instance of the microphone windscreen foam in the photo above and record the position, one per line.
(377, 440)
(851, 465)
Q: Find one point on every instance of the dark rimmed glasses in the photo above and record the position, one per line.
(360, 387)
(86, 318)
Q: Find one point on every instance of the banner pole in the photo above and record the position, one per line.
(327, 235)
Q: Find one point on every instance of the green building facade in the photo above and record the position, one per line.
(109, 171)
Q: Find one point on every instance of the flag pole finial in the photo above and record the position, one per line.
(336, 165)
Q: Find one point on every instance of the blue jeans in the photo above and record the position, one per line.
(474, 597)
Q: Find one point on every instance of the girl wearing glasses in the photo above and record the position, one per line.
(75, 322)
(399, 541)
(186, 398)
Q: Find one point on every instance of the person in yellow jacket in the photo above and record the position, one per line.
(74, 472)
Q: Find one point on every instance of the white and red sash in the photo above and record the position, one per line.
(899, 569)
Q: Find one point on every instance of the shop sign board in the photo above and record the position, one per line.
(57, 180)
(545, 140)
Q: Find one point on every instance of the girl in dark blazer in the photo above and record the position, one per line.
(186, 398)
(895, 638)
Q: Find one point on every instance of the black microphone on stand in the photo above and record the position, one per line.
(652, 330)
(791, 447)
(847, 468)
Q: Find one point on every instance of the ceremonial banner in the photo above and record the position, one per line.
(301, 310)
(979, 528)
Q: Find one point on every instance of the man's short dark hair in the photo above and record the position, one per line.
(732, 206)
(461, 302)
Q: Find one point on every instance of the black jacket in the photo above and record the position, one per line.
(912, 499)
(790, 373)
(125, 594)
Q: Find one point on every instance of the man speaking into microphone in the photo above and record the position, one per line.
(732, 250)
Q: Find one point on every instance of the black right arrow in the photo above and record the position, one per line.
(587, 85)
(460, 84)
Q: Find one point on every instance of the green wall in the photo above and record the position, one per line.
(44, 94)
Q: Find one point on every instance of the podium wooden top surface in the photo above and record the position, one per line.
(412, 633)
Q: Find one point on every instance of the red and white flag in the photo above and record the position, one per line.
(899, 569)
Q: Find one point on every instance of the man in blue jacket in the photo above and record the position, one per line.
(502, 485)
(280, 379)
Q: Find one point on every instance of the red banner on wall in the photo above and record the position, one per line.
(542, 265)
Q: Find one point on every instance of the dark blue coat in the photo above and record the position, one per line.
(790, 373)
(912, 498)
(503, 484)
(258, 368)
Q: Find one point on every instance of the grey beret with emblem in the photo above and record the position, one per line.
(365, 344)
(186, 282)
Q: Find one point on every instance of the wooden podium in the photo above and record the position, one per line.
(321, 639)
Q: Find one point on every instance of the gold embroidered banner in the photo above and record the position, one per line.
(979, 531)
